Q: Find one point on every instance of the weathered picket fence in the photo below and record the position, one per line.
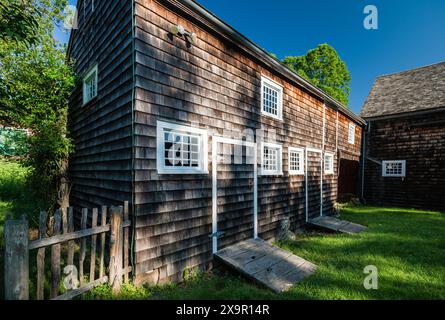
(18, 247)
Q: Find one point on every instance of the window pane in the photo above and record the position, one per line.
(270, 100)
(271, 159)
(181, 149)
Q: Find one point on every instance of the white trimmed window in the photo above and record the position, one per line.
(271, 98)
(351, 133)
(90, 85)
(181, 149)
(328, 163)
(394, 168)
(296, 161)
(271, 159)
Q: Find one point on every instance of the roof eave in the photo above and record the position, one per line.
(403, 114)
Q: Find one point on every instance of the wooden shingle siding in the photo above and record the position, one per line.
(146, 75)
(330, 186)
(101, 167)
(420, 141)
(347, 150)
(212, 85)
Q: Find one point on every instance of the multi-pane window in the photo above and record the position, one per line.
(351, 134)
(271, 159)
(271, 98)
(90, 85)
(394, 168)
(181, 149)
(296, 161)
(328, 163)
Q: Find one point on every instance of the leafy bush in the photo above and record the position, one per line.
(13, 178)
(13, 142)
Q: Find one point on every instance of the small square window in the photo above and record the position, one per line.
(394, 168)
(271, 159)
(181, 149)
(296, 161)
(329, 163)
(271, 99)
(90, 85)
(351, 133)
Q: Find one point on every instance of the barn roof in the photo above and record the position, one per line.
(421, 89)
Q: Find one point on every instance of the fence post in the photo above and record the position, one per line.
(116, 244)
(16, 260)
(55, 256)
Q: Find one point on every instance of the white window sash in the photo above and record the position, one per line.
(279, 89)
(279, 170)
(330, 169)
(203, 149)
(394, 162)
(300, 170)
(87, 85)
(351, 133)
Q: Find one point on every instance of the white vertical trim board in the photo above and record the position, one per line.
(336, 134)
(215, 141)
(255, 193)
(322, 160)
(306, 185)
(214, 193)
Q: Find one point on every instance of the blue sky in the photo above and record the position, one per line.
(411, 32)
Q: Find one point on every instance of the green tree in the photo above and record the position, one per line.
(324, 68)
(18, 21)
(35, 85)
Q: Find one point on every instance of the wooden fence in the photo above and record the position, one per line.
(18, 248)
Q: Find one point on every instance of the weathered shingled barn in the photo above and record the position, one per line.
(173, 106)
(405, 139)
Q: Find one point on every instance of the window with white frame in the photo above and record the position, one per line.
(329, 163)
(351, 133)
(394, 168)
(271, 159)
(271, 98)
(90, 85)
(296, 161)
(181, 149)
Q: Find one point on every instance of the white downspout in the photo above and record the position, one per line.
(322, 159)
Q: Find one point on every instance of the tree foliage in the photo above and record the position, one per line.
(324, 68)
(35, 84)
(13, 142)
(18, 21)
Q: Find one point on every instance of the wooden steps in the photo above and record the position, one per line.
(337, 225)
(266, 264)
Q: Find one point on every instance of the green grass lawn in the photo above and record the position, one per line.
(407, 247)
(15, 199)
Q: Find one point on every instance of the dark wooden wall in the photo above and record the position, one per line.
(211, 85)
(348, 180)
(101, 165)
(420, 140)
